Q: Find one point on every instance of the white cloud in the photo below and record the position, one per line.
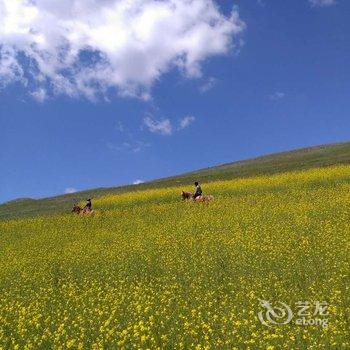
(208, 85)
(133, 146)
(10, 69)
(70, 190)
(322, 3)
(39, 95)
(137, 182)
(186, 121)
(277, 95)
(86, 47)
(163, 127)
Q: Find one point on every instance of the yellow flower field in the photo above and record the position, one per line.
(149, 271)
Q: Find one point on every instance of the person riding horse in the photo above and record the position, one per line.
(88, 206)
(198, 191)
(85, 210)
(197, 196)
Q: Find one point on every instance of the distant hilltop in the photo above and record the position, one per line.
(300, 159)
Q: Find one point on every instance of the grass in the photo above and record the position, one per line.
(303, 159)
(149, 271)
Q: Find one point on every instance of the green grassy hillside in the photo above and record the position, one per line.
(302, 159)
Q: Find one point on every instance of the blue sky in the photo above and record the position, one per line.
(267, 77)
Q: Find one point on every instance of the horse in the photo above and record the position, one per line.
(202, 198)
(186, 195)
(81, 211)
(206, 198)
(76, 209)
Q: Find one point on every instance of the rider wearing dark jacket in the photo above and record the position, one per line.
(88, 205)
(198, 191)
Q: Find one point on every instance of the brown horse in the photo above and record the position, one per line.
(81, 211)
(189, 195)
(186, 195)
(206, 198)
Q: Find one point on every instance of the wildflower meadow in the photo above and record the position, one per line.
(150, 271)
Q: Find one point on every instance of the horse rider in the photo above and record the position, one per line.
(198, 190)
(88, 206)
